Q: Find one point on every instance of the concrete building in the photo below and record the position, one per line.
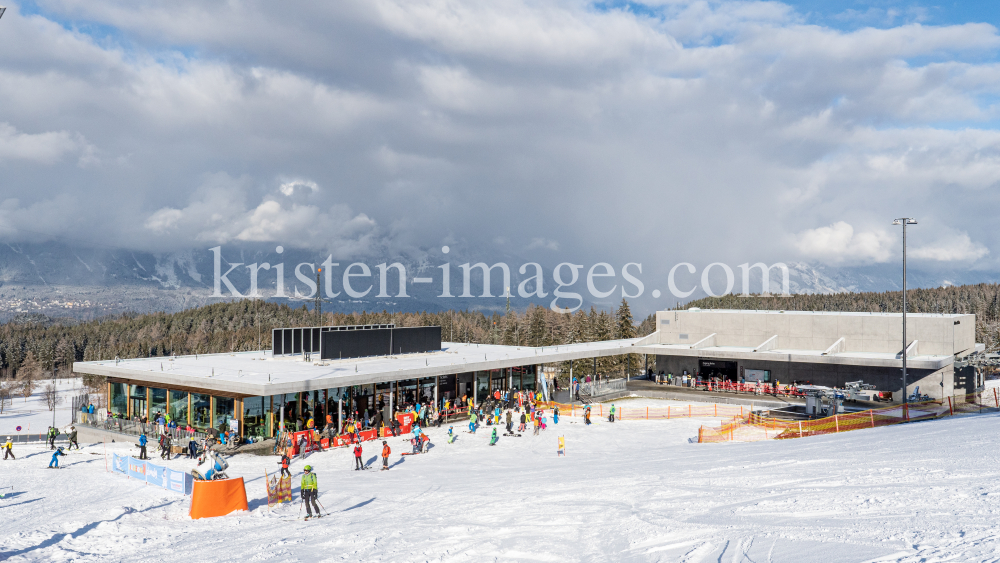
(817, 347)
(344, 371)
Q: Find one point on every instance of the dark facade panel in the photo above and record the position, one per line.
(380, 342)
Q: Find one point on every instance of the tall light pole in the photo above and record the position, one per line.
(904, 221)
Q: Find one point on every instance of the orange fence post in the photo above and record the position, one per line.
(996, 398)
(716, 408)
(951, 410)
(701, 432)
(647, 418)
(689, 410)
(906, 411)
(800, 429)
(871, 414)
(836, 423)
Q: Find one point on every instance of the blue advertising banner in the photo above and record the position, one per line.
(178, 481)
(120, 464)
(155, 474)
(136, 468)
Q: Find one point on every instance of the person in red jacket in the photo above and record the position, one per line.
(284, 465)
(357, 457)
(385, 455)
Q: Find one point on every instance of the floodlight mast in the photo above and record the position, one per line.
(904, 221)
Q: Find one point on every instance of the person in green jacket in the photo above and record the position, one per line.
(612, 417)
(310, 491)
(494, 438)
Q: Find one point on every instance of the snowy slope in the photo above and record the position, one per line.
(629, 491)
(33, 415)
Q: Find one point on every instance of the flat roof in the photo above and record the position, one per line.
(260, 373)
(830, 313)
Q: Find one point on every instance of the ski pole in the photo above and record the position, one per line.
(321, 505)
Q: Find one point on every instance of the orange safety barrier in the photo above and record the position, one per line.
(218, 498)
(754, 427)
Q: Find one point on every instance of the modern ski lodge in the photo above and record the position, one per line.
(330, 370)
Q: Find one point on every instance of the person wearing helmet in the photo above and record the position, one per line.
(385, 455)
(7, 449)
(54, 464)
(358, 465)
(310, 490)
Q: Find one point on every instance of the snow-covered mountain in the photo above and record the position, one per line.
(60, 279)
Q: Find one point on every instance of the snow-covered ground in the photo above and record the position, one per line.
(629, 491)
(33, 415)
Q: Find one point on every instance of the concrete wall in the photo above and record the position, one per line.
(881, 333)
(936, 383)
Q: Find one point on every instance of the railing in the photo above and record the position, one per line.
(100, 421)
(594, 389)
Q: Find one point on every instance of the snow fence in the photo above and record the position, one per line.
(652, 413)
(752, 427)
(158, 476)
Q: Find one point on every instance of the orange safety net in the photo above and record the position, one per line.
(650, 413)
(754, 427)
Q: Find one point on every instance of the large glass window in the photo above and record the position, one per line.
(482, 385)
(137, 400)
(253, 416)
(119, 399)
(224, 412)
(179, 407)
(157, 402)
(201, 411)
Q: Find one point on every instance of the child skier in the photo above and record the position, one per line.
(555, 415)
(493, 440)
(586, 415)
(285, 461)
(54, 464)
(451, 434)
(357, 457)
(142, 446)
(524, 420)
(612, 417)
(385, 455)
(472, 423)
(7, 451)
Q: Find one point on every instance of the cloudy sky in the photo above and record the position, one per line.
(651, 132)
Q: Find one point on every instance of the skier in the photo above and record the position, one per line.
(416, 438)
(7, 451)
(310, 492)
(357, 457)
(555, 415)
(472, 423)
(451, 435)
(510, 422)
(493, 440)
(586, 415)
(538, 424)
(192, 448)
(385, 455)
(72, 438)
(53, 433)
(164, 446)
(524, 420)
(142, 446)
(54, 464)
(612, 417)
(285, 462)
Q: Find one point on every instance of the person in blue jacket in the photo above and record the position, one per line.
(416, 438)
(142, 446)
(54, 464)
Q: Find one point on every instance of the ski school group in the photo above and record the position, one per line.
(510, 408)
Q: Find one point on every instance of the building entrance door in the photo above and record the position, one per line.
(717, 370)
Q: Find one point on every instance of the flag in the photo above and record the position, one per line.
(279, 490)
(562, 446)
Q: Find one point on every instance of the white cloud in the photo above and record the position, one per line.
(43, 148)
(839, 243)
(957, 248)
(722, 129)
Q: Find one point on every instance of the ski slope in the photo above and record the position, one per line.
(629, 491)
(33, 415)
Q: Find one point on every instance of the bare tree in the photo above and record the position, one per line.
(51, 396)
